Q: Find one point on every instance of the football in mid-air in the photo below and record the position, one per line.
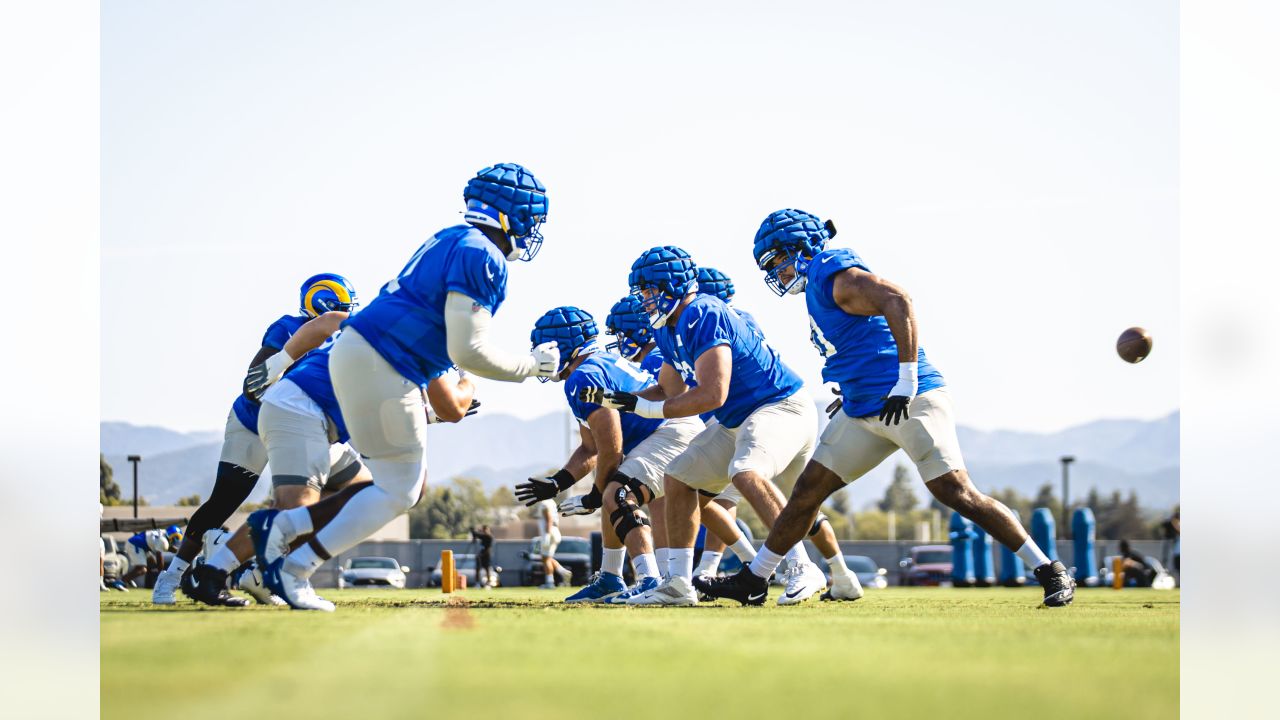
(1134, 345)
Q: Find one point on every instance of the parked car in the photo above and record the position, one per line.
(114, 562)
(869, 575)
(574, 553)
(372, 571)
(464, 564)
(1162, 580)
(927, 565)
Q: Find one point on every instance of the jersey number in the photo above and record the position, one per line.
(825, 349)
(394, 285)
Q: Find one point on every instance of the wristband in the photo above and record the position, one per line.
(650, 408)
(908, 374)
(277, 364)
(564, 480)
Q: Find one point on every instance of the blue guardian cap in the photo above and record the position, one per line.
(713, 282)
(629, 324)
(573, 330)
(508, 197)
(789, 239)
(660, 278)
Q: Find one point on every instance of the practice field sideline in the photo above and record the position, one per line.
(520, 653)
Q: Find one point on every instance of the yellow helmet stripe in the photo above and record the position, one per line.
(337, 288)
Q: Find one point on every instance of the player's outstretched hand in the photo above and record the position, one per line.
(546, 361)
(895, 409)
(257, 382)
(582, 504)
(835, 405)
(624, 401)
(535, 490)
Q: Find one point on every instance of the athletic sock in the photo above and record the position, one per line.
(765, 563)
(680, 562)
(838, 568)
(294, 522)
(797, 554)
(612, 560)
(1032, 555)
(743, 548)
(178, 565)
(663, 556)
(303, 562)
(646, 565)
(710, 561)
(224, 559)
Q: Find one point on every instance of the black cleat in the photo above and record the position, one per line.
(1059, 587)
(207, 584)
(744, 587)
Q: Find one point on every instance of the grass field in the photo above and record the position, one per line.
(519, 653)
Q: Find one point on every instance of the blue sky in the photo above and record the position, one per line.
(1013, 165)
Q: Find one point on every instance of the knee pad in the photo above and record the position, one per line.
(627, 517)
(637, 488)
(817, 524)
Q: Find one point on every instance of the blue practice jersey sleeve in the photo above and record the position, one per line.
(479, 275)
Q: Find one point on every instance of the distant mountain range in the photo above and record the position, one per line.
(1124, 455)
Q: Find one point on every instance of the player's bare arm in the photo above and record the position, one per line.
(606, 431)
(270, 363)
(584, 458)
(859, 292)
(669, 385)
(451, 400)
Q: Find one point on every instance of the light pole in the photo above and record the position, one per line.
(1066, 461)
(135, 459)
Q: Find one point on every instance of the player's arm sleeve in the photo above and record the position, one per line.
(713, 328)
(466, 323)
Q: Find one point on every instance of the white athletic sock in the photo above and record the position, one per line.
(765, 563)
(838, 568)
(709, 562)
(1032, 555)
(294, 522)
(304, 561)
(680, 562)
(663, 556)
(745, 551)
(363, 515)
(646, 565)
(178, 565)
(224, 559)
(798, 554)
(612, 560)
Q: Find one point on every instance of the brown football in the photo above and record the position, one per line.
(1134, 345)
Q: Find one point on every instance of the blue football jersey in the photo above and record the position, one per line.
(860, 352)
(311, 374)
(611, 372)
(759, 376)
(277, 334)
(139, 541)
(405, 323)
(652, 363)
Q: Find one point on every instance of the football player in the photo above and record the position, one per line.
(765, 427)
(891, 397)
(325, 300)
(144, 550)
(629, 455)
(844, 583)
(435, 314)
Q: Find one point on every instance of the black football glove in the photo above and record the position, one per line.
(622, 401)
(256, 382)
(835, 405)
(895, 409)
(536, 490)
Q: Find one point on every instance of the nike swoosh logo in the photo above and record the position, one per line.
(757, 597)
(693, 322)
(794, 594)
(825, 259)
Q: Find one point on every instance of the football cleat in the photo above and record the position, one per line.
(118, 585)
(279, 537)
(251, 583)
(643, 585)
(260, 523)
(166, 588)
(1059, 587)
(207, 584)
(294, 590)
(602, 587)
(803, 581)
(675, 590)
(844, 587)
(744, 586)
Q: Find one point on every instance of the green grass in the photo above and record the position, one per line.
(520, 653)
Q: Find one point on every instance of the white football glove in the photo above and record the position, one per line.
(546, 361)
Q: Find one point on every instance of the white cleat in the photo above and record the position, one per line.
(279, 538)
(165, 591)
(300, 595)
(803, 581)
(844, 587)
(251, 583)
(675, 590)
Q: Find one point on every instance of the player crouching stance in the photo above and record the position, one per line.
(864, 327)
(764, 432)
(434, 314)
